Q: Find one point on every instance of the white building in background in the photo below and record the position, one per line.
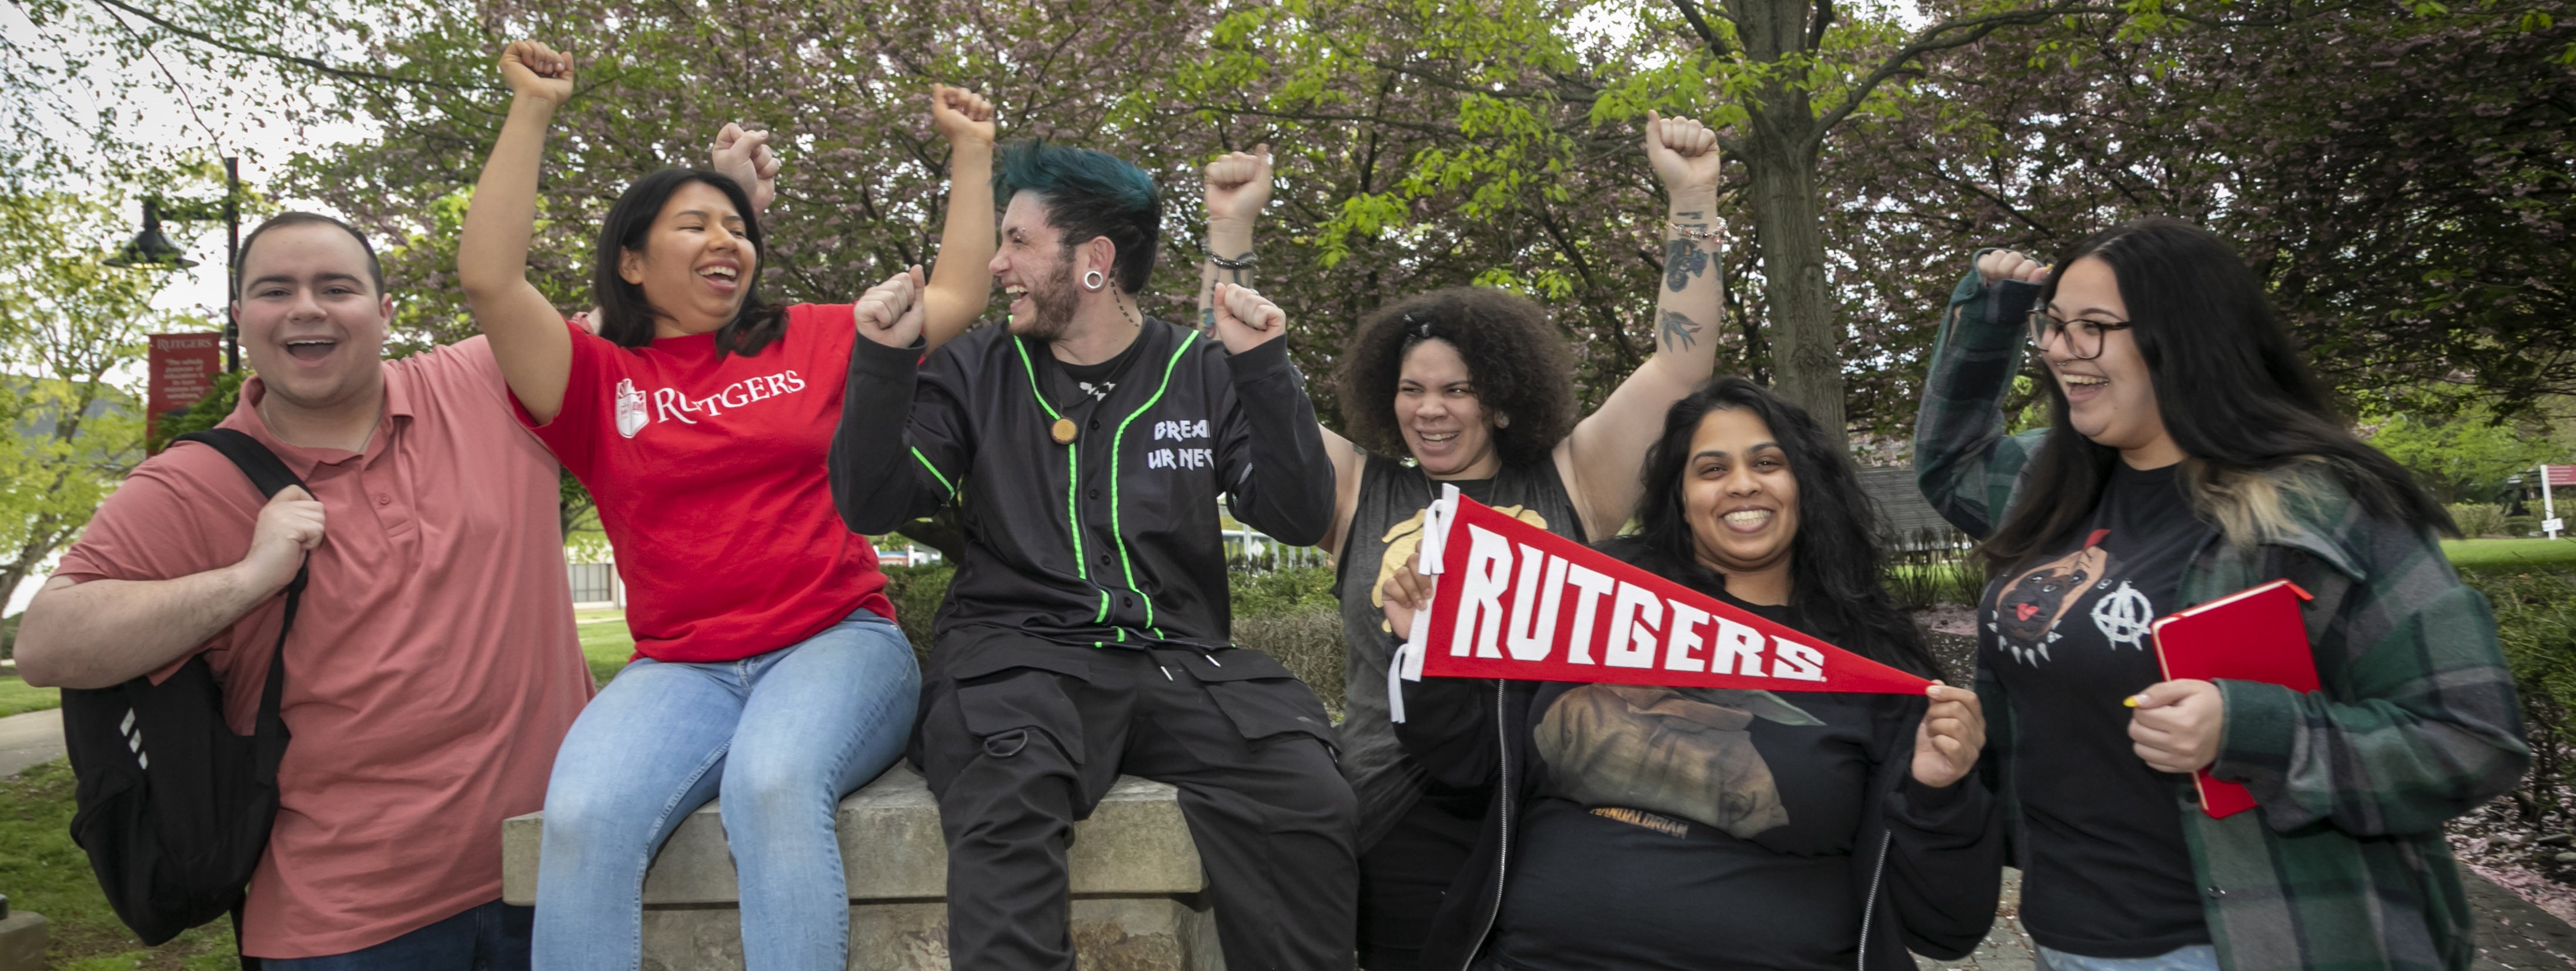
(595, 585)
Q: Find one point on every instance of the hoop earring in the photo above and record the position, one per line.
(1093, 280)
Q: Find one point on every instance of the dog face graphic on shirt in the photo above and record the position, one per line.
(2027, 612)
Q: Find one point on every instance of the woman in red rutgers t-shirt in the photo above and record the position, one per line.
(768, 667)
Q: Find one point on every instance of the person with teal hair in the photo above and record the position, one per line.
(1087, 631)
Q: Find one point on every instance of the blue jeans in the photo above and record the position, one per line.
(783, 735)
(2189, 957)
(491, 937)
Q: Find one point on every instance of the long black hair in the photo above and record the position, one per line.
(625, 316)
(2234, 394)
(1836, 570)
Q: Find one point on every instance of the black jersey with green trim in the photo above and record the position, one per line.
(1112, 539)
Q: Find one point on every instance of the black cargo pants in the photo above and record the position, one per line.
(1017, 745)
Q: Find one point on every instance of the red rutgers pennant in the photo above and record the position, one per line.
(1516, 601)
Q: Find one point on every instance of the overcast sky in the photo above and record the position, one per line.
(161, 115)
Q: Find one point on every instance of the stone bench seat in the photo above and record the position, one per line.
(1135, 879)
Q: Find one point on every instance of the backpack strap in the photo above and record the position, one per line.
(270, 476)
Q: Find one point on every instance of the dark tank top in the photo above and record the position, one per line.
(1386, 527)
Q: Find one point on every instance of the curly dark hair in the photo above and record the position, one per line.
(1520, 362)
(1835, 564)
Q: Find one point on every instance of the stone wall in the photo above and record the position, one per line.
(1135, 876)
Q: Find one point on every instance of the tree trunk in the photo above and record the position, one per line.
(42, 540)
(1779, 150)
(1806, 361)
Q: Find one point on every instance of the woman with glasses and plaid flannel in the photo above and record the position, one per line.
(2189, 454)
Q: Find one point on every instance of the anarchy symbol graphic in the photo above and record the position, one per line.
(2122, 616)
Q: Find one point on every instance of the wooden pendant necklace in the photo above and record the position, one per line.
(1062, 431)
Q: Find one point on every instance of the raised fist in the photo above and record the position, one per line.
(2004, 264)
(1683, 152)
(961, 115)
(744, 154)
(890, 312)
(1238, 185)
(536, 71)
(1245, 319)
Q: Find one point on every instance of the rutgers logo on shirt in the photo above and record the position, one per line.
(630, 408)
(635, 409)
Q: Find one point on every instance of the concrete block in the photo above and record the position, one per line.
(22, 941)
(1135, 877)
(891, 848)
(1109, 934)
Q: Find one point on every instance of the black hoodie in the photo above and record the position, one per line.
(1925, 864)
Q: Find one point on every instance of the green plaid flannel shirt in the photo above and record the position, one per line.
(2343, 866)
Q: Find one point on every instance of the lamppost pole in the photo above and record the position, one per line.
(232, 252)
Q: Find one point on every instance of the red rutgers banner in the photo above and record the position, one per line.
(1516, 601)
(181, 373)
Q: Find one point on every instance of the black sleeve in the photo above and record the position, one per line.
(1272, 452)
(1945, 852)
(1449, 728)
(902, 447)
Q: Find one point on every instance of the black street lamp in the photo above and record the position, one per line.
(151, 249)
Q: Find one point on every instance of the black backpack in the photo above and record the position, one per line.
(175, 809)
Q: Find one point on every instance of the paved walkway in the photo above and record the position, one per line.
(2512, 934)
(31, 738)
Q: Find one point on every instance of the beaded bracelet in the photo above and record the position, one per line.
(1701, 235)
(1246, 262)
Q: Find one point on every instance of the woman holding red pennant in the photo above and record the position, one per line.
(2189, 455)
(1696, 828)
(1468, 386)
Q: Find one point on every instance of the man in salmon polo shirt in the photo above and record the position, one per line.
(433, 666)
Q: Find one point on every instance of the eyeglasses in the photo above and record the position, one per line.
(2083, 337)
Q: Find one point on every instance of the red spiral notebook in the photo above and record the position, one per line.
(2251, 635)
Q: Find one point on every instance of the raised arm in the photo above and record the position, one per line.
(1238, 186)
(105, 632)
(1270, 451)
(1963, 462)
(527, 335)
(903, 445)
(961, 280)
(1599, 461)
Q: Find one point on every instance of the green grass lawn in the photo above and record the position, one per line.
(16, 698)
(2512, 555)
(43, 872)
(604, 643)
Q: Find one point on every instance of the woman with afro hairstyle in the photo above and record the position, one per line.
(1469, 386)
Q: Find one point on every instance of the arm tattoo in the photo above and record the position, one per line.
(1683, 260)
(1679, 331)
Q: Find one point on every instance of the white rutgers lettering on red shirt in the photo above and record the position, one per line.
(669, 403)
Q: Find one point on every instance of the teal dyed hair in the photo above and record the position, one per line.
(1087, 195)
